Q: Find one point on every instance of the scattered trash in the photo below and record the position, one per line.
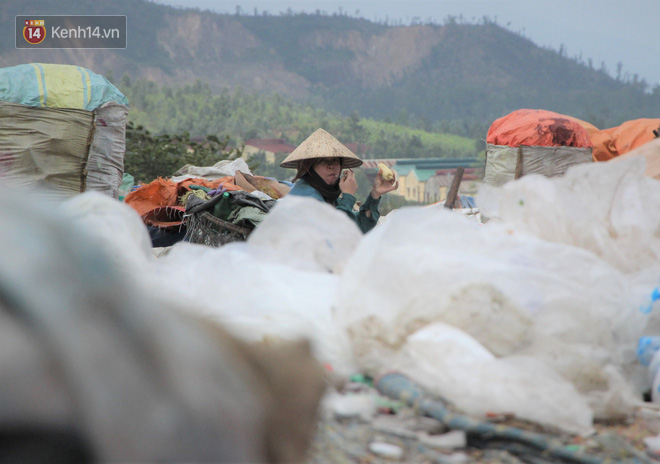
(386, 450)
(362, 405)
(449, 440)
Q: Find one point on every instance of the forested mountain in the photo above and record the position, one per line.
(454, 77)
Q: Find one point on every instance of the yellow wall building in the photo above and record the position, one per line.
(428, 180)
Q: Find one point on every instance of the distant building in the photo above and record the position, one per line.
(438, 185)
(269, 147)
(427, 180)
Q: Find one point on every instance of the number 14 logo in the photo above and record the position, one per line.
(34, 31)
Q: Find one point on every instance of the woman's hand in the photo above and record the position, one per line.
(382, 186)
(347, 182)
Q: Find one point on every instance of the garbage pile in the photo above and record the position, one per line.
(534, 315)
(560, 271)
(212, 205)
(399, 422)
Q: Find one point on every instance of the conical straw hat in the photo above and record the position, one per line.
(321, 145)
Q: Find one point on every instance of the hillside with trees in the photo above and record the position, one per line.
(456, 77)
(248, 115)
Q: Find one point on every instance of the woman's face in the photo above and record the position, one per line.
(328, 169)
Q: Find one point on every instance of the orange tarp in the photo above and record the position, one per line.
(539, 128)
(163, 192)
(615, 141)
(651, 152)
(587, 125)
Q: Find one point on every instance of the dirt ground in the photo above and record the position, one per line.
(406, 436)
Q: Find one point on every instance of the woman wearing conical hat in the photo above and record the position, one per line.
(319, 161)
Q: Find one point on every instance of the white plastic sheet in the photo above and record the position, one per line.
(281, 283)
(116, 227)
(308, 234)
(608, 208)
(565, 265)
(444, 359)
(425, 266)
(547, 293)
(217, 171)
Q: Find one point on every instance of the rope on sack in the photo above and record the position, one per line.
(398, 386)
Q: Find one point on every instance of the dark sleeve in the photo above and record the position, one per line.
(346, 202)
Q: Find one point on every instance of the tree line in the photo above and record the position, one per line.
(192, 113)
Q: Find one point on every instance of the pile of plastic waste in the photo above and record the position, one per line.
(536, 314)
(545, 303)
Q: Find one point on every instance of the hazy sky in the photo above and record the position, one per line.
(609, 31)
